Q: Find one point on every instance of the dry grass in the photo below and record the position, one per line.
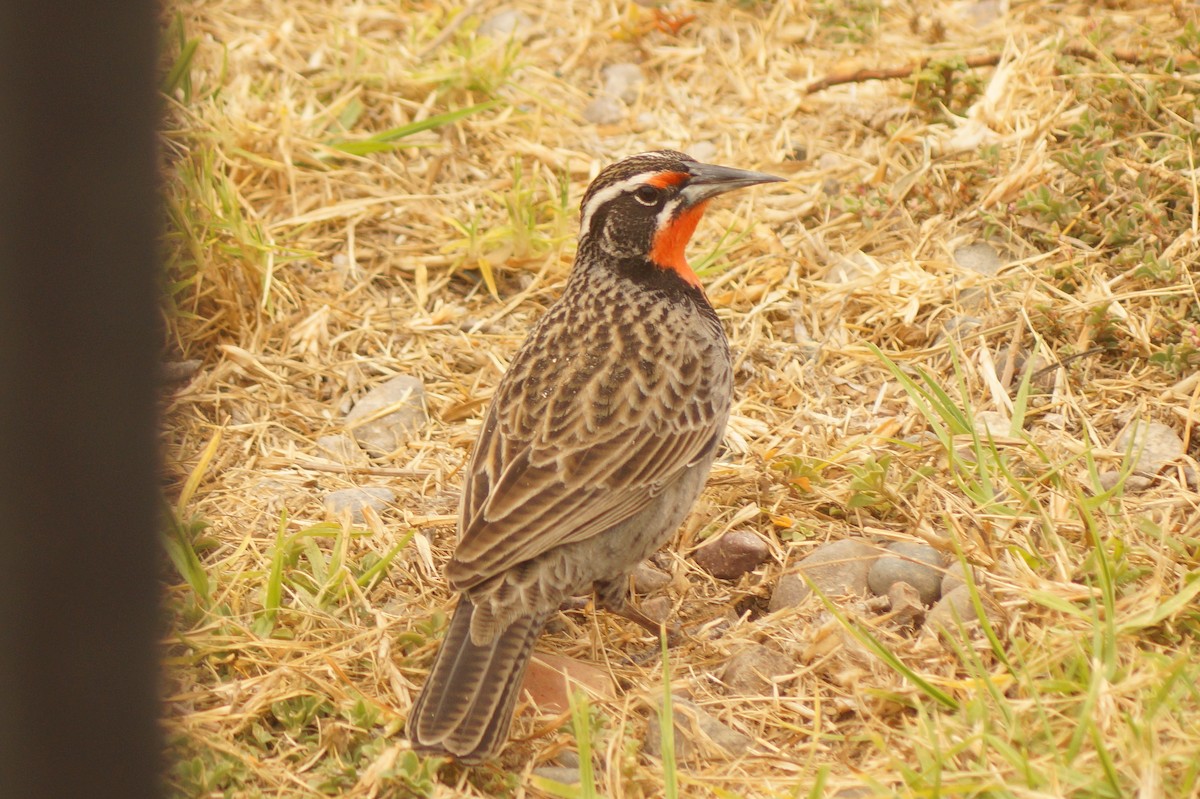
(306, 266)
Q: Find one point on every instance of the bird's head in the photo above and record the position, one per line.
(645, 207)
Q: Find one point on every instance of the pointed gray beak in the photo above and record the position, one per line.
(709, 180)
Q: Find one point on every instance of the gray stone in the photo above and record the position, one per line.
(507, 24)
(955, 611)
(560, 774)
(698, 736)
(953, 577)
(623, 81)
(992, 423)
(386, 417)
(1133, 483)
(178, 371)
(1043, 377)
(751, 672)
(353, 500)
(732, 555)
(647, 579)
(839, 569)
(342, 448)
(1151, 444)
(919, 565)
(981, 257)
(657, 608)
(907, 610)
(604, 109)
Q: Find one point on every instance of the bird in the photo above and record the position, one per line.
(596, 444)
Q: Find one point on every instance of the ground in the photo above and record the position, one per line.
(360, 190)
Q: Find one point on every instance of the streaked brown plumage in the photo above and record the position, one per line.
(595, 447)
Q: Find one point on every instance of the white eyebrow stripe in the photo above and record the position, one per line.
(610, 192)
(667, 212)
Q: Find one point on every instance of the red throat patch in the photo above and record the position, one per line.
(671, 241)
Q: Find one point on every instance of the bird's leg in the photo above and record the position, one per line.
(613, 596)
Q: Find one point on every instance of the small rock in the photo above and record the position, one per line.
(1191, 476)
(354, 500)
(751, 671)
(1043, 378)
(387, 415)
(981, 257)
(839, 569)
(567, 759)
(953, 577)
(1134, 483)
(507, 24)
(855, 792)
(561, 774)
(919, 565)
(623, 81)
(178, 371)
(657, 608)
(698, 736)
(907, 609)
(732, 555)
(550, 680)
(955, 608)
(647, 579)
(992, 423)
(1152, 444)
(342, 448)
(604, 109)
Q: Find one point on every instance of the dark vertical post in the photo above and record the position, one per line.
(78, 347)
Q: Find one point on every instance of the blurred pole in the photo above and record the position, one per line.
(79, 605)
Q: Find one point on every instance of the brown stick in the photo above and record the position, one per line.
(973, 62)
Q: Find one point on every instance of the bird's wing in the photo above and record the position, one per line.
(543, 476)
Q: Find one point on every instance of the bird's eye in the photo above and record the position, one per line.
(646, 195)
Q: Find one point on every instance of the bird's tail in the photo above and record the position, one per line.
(466, 705)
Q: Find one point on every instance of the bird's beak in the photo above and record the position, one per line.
(709, 180)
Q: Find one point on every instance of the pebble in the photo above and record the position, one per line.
(354, 500)
(657, 608)
(980, 257)
(178, 371)
(732, 555)
(560, 774)
(1152, 444)
(381, 435)
(647, 579)
(1134, 483)
(604, 109)
(751, 671)
(906, 606)
(1042, 379)
(839, 569)
(550, 680)
(342, 448)
(954, 607)
(919, 565)
(698, 736)
(623, 81)
(953, 577)
(507, 24)
(992, 423)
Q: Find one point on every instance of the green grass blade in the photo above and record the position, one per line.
(666, 725)
(389, 139)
